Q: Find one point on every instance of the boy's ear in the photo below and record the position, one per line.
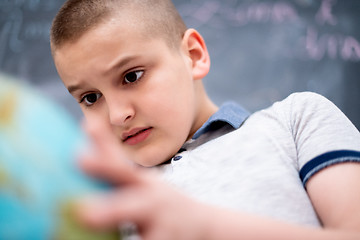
(196, 49)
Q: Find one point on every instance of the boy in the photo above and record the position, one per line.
(137, 72)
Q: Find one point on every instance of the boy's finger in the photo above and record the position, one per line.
(112, 171)
(103, 139)
(111, 210)
(106, 159)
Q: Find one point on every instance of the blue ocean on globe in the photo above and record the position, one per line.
(39, 178)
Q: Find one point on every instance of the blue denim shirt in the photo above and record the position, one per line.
(229, 113)
(229, 117)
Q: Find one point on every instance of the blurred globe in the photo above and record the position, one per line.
(39, 179)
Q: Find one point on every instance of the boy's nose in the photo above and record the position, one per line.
(120, 112)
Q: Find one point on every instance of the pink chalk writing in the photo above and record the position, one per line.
(262, 12)
(207, 11)
(324, 15)
(350, 49)
(331, 45)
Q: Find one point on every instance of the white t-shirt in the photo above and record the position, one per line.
(256, 168)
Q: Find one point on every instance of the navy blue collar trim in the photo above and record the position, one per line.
(230, 113)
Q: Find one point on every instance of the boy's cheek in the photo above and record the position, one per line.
(94, 118)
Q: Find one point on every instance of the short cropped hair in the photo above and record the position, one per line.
(155, 18)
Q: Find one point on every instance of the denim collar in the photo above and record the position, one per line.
(230, 113)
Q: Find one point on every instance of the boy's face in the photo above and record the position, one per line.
(135, 86)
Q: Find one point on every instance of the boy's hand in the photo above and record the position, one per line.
(140, 197)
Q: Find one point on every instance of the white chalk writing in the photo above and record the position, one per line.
(316, 46)
(16, 29)
(29, 5)
(258, 12)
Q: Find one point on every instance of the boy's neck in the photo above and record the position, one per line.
(206, 108)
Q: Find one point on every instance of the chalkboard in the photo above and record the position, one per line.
(261, 50)
(25, 47)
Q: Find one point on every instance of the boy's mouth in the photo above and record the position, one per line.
(136, 135)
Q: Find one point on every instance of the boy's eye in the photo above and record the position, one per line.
(132, 77)
(91, 98)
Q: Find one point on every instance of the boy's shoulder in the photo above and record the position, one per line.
(304, 99)
(305, 106)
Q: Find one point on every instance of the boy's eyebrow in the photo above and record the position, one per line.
(117, 63)
(73, 88)
(121, 62)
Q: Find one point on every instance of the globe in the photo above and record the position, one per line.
(39, 178)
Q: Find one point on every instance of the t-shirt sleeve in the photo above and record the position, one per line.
(323, 135)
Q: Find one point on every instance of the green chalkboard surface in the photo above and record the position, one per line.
(261, 50)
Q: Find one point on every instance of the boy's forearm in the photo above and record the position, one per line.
(229, 225)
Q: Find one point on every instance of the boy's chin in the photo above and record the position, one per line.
(152, 161)
(151, 155)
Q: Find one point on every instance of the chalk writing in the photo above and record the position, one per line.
(258, 12)
(207, 11)
(262, 12)
(29, 5)
(12, 28)
(351, 49)
(315, 45)
(324, 15)
(332, 45)
(25, 20)
(36, 30)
